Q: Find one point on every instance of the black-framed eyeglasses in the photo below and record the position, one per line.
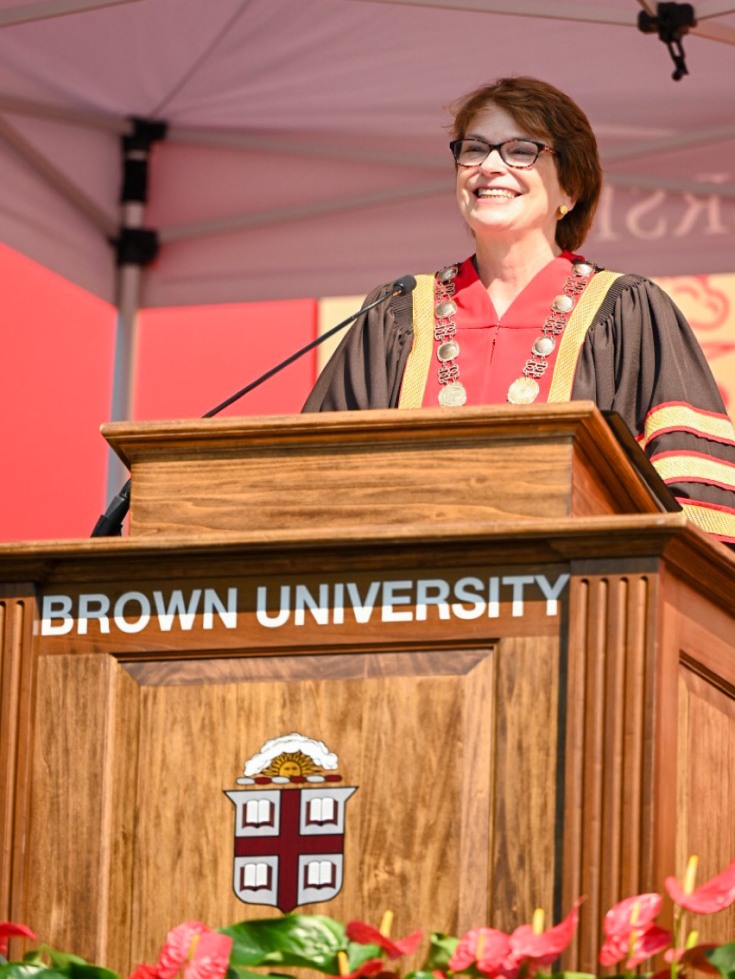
(519, 153)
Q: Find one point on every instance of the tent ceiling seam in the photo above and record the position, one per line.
(707, 9)
(157, 113)
(46, 9)
(234, 223)
(280, 215)
(53, 177)
(523, 8)
(75, 117)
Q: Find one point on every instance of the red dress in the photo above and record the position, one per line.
(492, 349)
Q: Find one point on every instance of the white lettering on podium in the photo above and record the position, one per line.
(319, 608)
(93, 607)
(403, 601)
(518, 582)
(227, 613)
(392, 596)
(144, 612)
(552, 592)
(284, 612)
(177, 606)
(134, 611)
(432, 591)
(56, 609)
(468, 591)
(299, 604)
(363, 607)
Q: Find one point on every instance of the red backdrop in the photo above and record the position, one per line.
(56, 389)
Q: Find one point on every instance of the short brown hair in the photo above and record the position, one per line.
(548, 113)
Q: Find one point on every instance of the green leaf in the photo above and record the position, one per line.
(419, 974)
(60, 960)
(441, 949)
(237, 972)
(83, 970)
(357, 954)
(723, 959)
(30, 970)
(299, 940)
(67, 964)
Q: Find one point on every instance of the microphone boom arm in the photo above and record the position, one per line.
(399, 288)
(111, 521)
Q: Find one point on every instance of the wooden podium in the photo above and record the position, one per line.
(524, 663)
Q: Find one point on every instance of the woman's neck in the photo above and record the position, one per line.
(505, 270)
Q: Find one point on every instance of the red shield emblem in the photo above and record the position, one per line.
(289, 825)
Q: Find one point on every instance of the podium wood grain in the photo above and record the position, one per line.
(523, 757)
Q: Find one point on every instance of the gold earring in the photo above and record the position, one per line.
(562, 211)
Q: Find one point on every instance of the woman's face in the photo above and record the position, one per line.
(499, 200)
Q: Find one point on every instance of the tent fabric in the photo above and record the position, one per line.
(306, 151)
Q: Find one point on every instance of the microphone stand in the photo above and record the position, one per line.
(111, 521)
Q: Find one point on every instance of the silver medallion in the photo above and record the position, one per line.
(583, 268)
(523, 391)
(448, 351)
(447, 274)
(543, 346)
(445, 309)
(453, 395)
(563, 304)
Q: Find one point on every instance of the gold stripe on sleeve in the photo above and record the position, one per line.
(715, 522)
(682, 467)
(574, 334)
(417, 366)
(684, 417)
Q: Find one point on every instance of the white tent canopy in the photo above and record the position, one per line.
(305, 150)
(306, 147)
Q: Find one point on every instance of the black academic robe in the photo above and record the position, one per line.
(639, 358)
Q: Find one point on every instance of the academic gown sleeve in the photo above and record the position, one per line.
(367, 367)
(641, 359)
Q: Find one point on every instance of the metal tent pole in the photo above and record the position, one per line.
(136, 247)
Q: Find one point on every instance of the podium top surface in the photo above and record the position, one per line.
(340, 470)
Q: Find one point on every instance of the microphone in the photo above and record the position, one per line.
(111, 521)
(403, 286)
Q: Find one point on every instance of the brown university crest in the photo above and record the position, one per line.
(290, 824)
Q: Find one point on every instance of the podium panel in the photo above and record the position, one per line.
(531, 703)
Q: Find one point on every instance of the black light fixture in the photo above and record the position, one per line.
(671, 22)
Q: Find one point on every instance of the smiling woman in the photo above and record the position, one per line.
(527, 318)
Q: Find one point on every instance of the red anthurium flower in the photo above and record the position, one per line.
(495, 958)
(528, 945)
(648, 943)
(211, 957)
(716, 894)
(365, 934)
(201, 952)
(369, 968)
(632, 914)
(614, 949)
(176, 948)
(10, 930)
(487, 948)
(635, 947)
(631, 933)
(143, 971)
